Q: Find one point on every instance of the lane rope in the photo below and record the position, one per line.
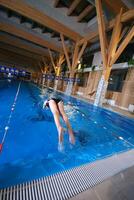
(9, 118)
(101, 126)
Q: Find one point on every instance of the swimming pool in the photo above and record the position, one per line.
(30, 147)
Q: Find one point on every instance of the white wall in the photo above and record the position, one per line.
(97, 60)
(120, 65)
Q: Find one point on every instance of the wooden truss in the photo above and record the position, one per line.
(77, 54)
(129, 15)
(40, 17)
(57, 65)
(111, 53)
(27, 36)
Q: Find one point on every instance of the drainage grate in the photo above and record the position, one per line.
(67, 184)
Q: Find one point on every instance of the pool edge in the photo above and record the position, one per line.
(69, 183)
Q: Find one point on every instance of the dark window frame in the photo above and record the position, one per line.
(116, 80)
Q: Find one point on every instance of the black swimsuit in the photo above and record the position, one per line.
(54, 99)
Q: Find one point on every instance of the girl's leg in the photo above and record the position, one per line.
(65, 118)
(56, 114)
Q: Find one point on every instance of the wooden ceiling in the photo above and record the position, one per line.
(42, 31)
(83, 10)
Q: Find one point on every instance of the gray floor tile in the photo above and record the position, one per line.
(108, 191)
(87, 195)
(129, 174)
(128, 191)
(118, 187)
(118, 180)
(103, 190)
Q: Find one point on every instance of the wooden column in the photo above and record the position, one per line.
(77, 54)
(102, 35)
(45, 69)
(65, 51)
(109, 54)
(60, 61)
(52, 60)
(57, 66)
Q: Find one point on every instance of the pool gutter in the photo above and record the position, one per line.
(64, 185)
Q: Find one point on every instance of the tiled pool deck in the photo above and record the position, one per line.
(117, 187)
(111, 108)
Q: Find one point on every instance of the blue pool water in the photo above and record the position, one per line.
(30, 147)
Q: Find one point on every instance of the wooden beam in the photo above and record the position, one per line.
(127, 16)
(19, 51)
(16, 42)
(15, 59)
(73, 6)
(52, 60)
(106, 73)
(40, 17)
(61, 59)
(46, 60)
(89, 37)
(76, 49)
(16, 55)
(115, 37)
(8, 60)
(123, 45)
(40, 66)
(102, 34)
(65, 51)
(45, 69)
(28, 36)
(56, 2)
(116, 6)
(85, 12)
(80, 54)
(82, 50)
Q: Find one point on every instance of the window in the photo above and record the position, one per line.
(87, 60)
(127, 54)
(116, 80)
(83, 79)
